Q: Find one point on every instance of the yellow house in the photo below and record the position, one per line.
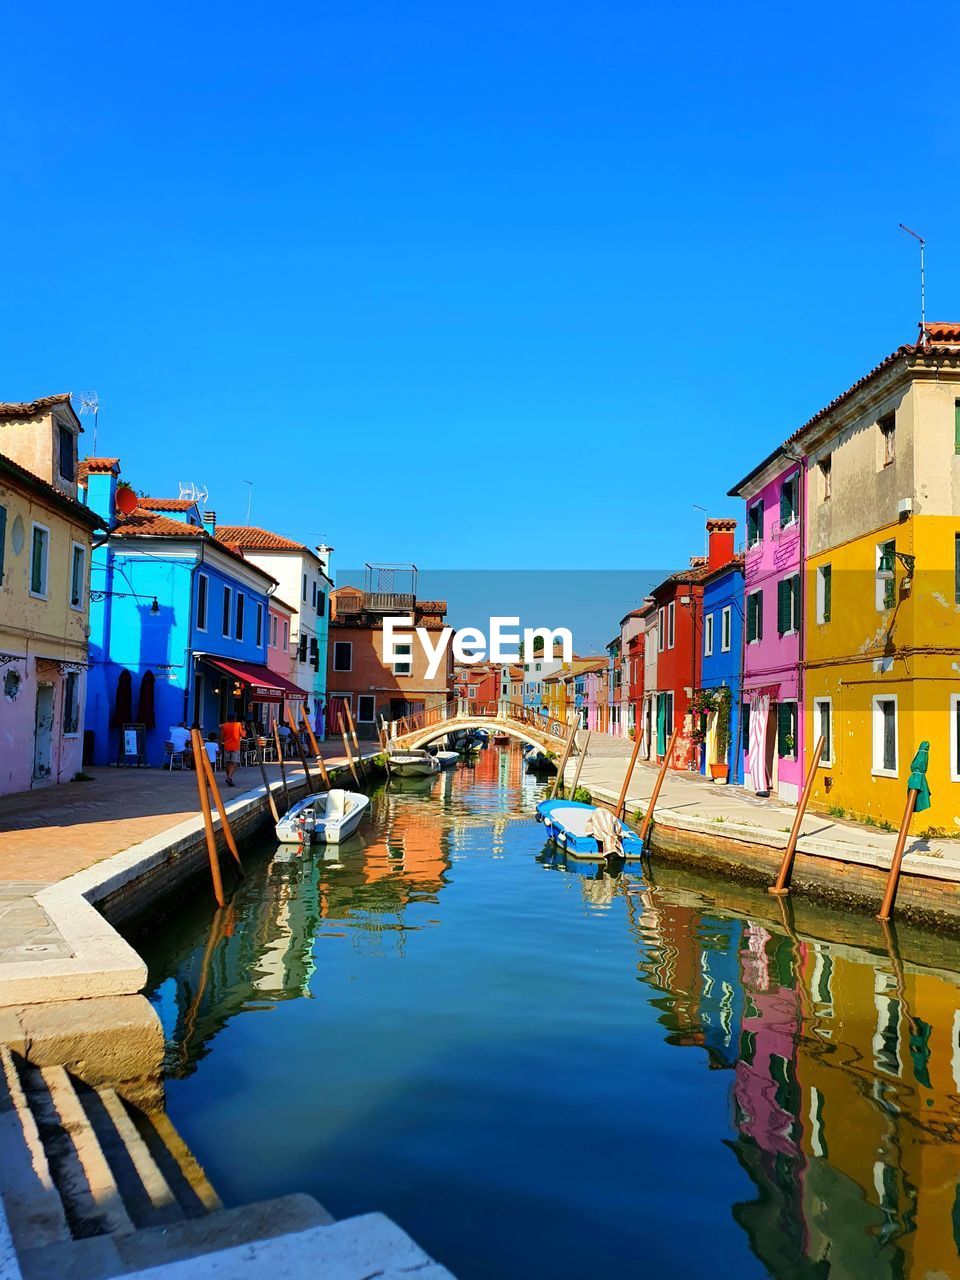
(882, 584)
(45, 543)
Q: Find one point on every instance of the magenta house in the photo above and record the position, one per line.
(772, 735)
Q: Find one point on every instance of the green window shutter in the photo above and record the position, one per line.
(785, 729)
(3, 539)
(783, 606)
(795, 602)
(36, 563)
(753, 617)
(784, 506)
(887, 558)
(827, 591)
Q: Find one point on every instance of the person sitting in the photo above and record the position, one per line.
(180, 736)
(212, 748)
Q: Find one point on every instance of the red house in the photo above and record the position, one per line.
(478, 682)
(678, 601)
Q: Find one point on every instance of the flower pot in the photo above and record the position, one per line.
(719, 772)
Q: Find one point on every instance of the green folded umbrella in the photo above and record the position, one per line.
(918, 777)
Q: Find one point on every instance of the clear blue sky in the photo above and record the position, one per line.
(427, 272)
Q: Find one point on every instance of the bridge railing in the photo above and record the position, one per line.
(423, 719)
(466, 708)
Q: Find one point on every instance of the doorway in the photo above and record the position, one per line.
(43, 734)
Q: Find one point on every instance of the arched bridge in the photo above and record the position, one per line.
(504, 716)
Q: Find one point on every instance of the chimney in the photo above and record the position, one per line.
(721, 542)
(323, 553)
(101, 486)
(210, 522)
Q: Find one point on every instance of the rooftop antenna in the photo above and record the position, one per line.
(249, 498)
(706, 535)
(923, 301)
(194, 492)
(90, 403)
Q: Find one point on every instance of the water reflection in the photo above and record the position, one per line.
(841, 1040)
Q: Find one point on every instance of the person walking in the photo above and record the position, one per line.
(231, 732)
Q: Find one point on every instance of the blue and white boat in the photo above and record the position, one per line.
(534, 758)
(574, 828)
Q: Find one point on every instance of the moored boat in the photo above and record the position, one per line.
(586, 830)
(411, 762)
(537, 760)
(328, 818)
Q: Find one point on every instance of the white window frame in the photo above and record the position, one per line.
(881, 583)
(826, 761)
(227, 606)
(661, 629)
(751, 506)
(671, 624)
(726, 628)
(954, 736)
(746, 616)
(206, 602)
(348, 644)
(286, 635)
(74, 548)
(362, 719)
(45, 529)
(75, 733)
(404, 667)
(793, 479)
(876, 725)
(708, 635)
(823, 621)
(240, 618)
(259, 632)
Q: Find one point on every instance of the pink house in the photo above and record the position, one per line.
(279, 657)
(772, 672)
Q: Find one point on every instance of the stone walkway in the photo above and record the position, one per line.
(700, 798)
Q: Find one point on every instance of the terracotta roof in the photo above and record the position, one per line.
(431, 606)
(735, 563)
(48, 493)
(168, 504)
(942, 331)
(30, 408)
(151, 524)
(252, 538)
(99, 466)
(721, 525)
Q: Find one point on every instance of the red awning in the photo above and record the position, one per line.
(265, 685)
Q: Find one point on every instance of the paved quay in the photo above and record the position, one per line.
(695, 803)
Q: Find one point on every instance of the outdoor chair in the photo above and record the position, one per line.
(174, 759)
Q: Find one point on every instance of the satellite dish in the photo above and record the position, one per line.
(126, 501)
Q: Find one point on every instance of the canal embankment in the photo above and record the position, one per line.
(728, 831)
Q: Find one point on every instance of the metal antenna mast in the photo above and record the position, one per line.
(706, 535)
(923, 300)
(249, 498)
(90, 403)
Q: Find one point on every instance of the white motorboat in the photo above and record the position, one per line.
(446, 759)
(411, 763)
(328, 818)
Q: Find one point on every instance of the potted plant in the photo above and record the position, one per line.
(720, 772)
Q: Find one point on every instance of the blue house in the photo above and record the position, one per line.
(178, 624)
(722, 665)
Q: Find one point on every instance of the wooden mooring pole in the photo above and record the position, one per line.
(314, 747)
(221, 809)
(567, 748)
(782, 883)
(283, 770)
(648, 820)
(629, 774)
(580, 759)
(893, 879)
(346, 747)
(263, 773)
(299, 749)
(199, 755)
(353, 727)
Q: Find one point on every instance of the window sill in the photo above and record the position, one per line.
(885, 773)
(825, 764)
(39, 595)
(71, 737)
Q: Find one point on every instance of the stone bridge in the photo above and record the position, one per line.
(504, 716)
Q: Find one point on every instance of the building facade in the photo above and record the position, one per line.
(720, 679)
(46, 539)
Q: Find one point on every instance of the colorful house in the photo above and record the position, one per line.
(477, 682)
(722, 658)
(303, 578)
(45, 547)
(882, 583)
(773, 725)
(178, 626)
(678, 602)
(648, 720)
(631, 678)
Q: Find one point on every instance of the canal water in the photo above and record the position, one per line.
(544, 1070)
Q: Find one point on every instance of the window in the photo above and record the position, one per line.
(3, 539)
(888, 438)
(314, 653)
(366, 708)
(956, 426)
(745, 727)
(240, 604)
(823, 727)
(471, 690)
(78, 575)
(754, 617)
(273, 630)
(227, 601)
(787, 729)
(788, 501)
(671, 623)
(304, 591)
(726, 629)
(824, 592)
(313, 593)
(302, 647)
(202, 585)
(826, 477)
(71, 703)
(755, 523)
(885, 735)
(321, 602)
(956, 563)
(286, 635)
(788, 605)
(661, 629)
(68, 457)
(886, 575)
(39, 558)
(343, 655)
(259, 624)
(708, 635)
(955, 737)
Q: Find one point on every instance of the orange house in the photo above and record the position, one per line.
(358, 676)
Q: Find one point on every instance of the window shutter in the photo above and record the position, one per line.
(3, 539)
(795, 602)
(782, 606)
(783, 728)
(827, 591)
(784, 506)
(886, 558)
(302, 655)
